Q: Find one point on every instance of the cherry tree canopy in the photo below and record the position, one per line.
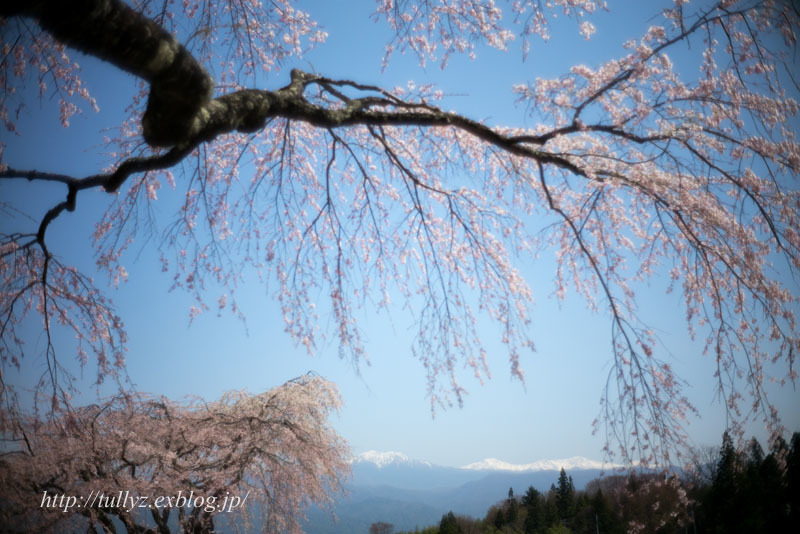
(367, 194)
(275, 450)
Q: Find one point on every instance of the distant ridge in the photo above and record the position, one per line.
(408, 493)
(383, 459)
(568, 464)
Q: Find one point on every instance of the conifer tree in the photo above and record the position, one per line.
(793, 479)
(534, 517)
(499, 519)
(512, 507)
(449, 524)
(565, 496)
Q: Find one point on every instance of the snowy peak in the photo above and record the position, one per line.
(382, 459)
(573, 463)
(386, 458)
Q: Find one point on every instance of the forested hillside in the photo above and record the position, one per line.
(728, 491)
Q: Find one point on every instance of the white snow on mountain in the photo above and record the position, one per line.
(385, 458)
(382, 459)
(575, 462)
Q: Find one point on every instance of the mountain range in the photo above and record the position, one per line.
(391, 487)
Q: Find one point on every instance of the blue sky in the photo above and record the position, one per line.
(549, 416)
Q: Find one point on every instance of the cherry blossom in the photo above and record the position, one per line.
(376, 198)
(274, 449)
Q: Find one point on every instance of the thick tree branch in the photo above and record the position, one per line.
(250, 109)
(113, 31)
(180, 110)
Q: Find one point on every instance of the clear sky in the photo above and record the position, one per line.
(549, 416)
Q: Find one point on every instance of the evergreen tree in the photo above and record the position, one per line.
(381, 527)
(550, 508)
(605, 520)
(775, 503)
(449, 524)
(531, 495)
(722, 503)
(749, 492)
(751, 489)
(534, 518)
(512, 507)
(499, 519)
(793, 479)
(582, 516)
(565, 496)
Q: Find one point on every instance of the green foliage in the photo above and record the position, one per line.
(381, 527)
(565, 496)
(426, 530)
(449, 525)
(512, 507)
(793, 480)
(534, 512)
(747, 492)
(499, 519)
(751, 492)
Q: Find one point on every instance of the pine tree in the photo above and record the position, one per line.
(775, 503)
(381, 527)
(723, 500)
(603, 515)
(449, 524)
(499, 519)
(534, 518)
(512, 507)
(550, 508)
(793, 479)
(565, 496)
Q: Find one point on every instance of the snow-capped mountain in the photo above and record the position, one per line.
(390, 486)
(386, 458)
(568, 464)
(383, 459)
(390, 468)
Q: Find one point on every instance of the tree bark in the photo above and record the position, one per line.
(181, 112)
(114, 32)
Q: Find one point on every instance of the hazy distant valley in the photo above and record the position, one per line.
(392, 488)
